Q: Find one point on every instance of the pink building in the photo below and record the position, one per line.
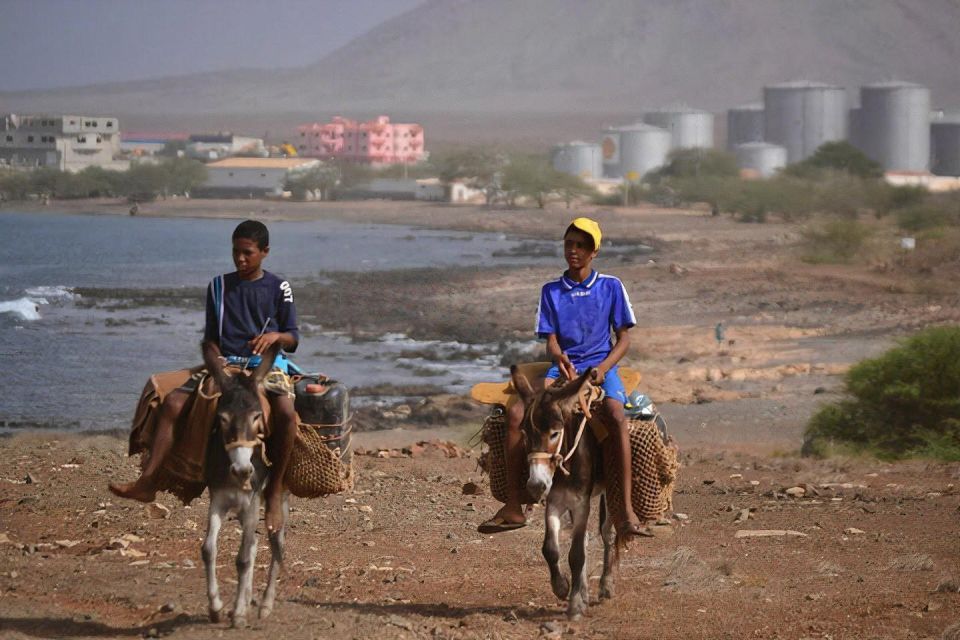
(376, 142)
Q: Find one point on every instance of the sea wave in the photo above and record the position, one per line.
(56, 292)
(25, 308)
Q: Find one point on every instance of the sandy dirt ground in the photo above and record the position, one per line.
(876, 548)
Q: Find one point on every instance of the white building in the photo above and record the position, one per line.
(251, 177)
(65, 142)
(215, 146)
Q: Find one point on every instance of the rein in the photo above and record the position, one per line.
(558, 459)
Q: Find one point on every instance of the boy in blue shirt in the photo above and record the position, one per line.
(576, 315)
(247, 311)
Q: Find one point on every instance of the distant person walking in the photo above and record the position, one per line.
(720, 333)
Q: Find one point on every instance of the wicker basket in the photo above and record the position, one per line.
(655, 464)
(320, 464)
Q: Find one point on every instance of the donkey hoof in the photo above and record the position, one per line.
(239, 622)
(574, 616)
(265, 612)
(606, 592)
(216, 615)
(561, 587)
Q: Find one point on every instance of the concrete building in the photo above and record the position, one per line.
(251, 177)
(65, 142)
(215, 146)
(377, 142)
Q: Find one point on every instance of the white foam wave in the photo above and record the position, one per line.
(52, 292)
(26, 308)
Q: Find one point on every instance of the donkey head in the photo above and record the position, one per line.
(546, 416)
(240, 418)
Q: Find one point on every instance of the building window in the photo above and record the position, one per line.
(9, 138)
(29, 138)
(81, 138)
(99, 139)
(263, 175)
(73, 122)
(230, 174)
(109, 123)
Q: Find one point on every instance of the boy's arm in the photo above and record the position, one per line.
(619, 350)
(561, 359)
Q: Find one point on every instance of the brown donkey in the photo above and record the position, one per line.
(566, 466)
(237, 472)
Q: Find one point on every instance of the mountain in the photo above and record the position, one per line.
(567, 57)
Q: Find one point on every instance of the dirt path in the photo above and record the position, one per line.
(399, 557)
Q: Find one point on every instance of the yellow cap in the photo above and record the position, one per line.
(589, 227)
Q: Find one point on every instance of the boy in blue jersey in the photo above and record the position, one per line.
(247, 311)
(576, 316)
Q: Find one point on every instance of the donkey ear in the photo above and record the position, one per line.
(266, 362)
(521, 384)
(571, 391)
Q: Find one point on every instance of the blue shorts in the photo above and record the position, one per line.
(612, 385)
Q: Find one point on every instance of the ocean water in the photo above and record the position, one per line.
(70, 365)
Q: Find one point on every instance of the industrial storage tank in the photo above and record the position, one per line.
(853, 127)
(689, 128)
(945, 146)
(894, 125)
(744, 124)
(801, 116)
(764, 158)
(581, 159)
(634, 150)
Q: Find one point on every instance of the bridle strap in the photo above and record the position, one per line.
(540, 457)
(250, 444)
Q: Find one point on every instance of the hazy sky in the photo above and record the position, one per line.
(55, 43)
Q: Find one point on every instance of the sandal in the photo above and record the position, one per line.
(497, 524)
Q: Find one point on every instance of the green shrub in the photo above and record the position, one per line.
(904, 403)
(837, 156)
(835, 241)
(695, 163)
(926, 216)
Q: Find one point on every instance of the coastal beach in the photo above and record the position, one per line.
(876, 541)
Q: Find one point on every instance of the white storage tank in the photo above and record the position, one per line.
(744, 124)
(634, 149)
(801, 116)
(581, 159)
(894, 125)
(945, 146)
(764, 158)
(689, 128)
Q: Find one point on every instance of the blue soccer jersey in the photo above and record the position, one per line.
(238, 310)
(582, 315)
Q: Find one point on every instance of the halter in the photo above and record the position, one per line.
(557, 459)
(258, 438)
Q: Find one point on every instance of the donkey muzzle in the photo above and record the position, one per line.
(541, 475)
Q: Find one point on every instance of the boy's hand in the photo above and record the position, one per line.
(566, 367)
(259, 344)
(599, 375)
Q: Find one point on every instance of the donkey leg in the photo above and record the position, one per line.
(579, 594)
(276, 561)
(209, 553)
(246, 556)
(610, 556)
(551, 549)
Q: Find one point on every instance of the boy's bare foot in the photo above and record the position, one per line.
(138, 490)
(273, 515)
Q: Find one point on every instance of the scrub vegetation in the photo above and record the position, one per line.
(141, 182)
(901, 404)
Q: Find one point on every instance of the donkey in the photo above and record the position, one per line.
(237, 472)
(565, 462)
